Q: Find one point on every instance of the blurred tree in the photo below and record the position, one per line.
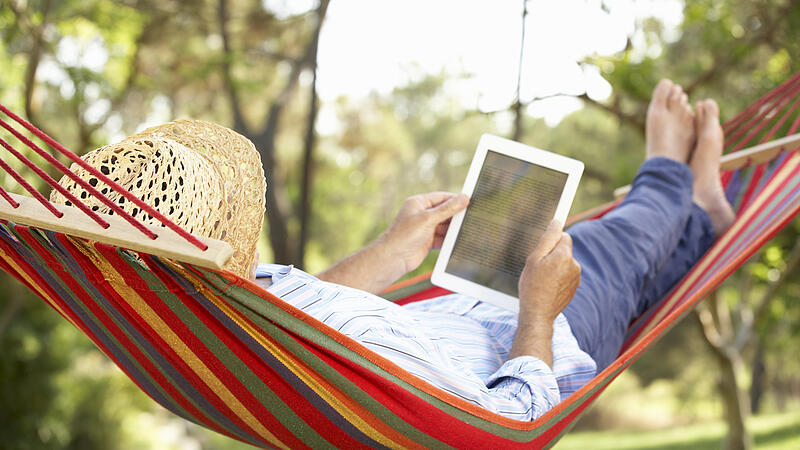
(733, 46)
(89, 71)
(264, 138)
(57, 390)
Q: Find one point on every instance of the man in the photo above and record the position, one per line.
(568, 327)
(206, 178)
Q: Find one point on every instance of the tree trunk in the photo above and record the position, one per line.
(308, 150)
(277, 203)
(516, 133)
(308, 174)
(714, 321)
(758, 373)
(735, 403)
(276, 206)
(14, 295)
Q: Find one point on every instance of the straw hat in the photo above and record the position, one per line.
(206, 178)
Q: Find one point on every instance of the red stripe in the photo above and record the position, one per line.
(758, 173)
(203, 354)
(314, 323)
(137, 322)
(14, 273)
(16, 176)
(84, 298)
(96, 173)
(8, 198)
(48, 179)
(782, 120)
(433, 291)
(728, 269)
(418, 413)
(737, 120)
(552, 430)
(274, 381)
(780, 102)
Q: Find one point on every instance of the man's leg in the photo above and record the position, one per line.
(635, 254)
(622, 253)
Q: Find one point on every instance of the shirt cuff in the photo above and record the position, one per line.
(527, 379)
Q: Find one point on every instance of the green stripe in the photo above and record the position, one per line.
(175, 406)
(265, 315)
(405, 291)
(254, 385)
(760, 217)
(99, 324)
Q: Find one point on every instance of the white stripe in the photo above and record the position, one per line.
(454, 342)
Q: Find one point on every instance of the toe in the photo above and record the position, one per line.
(710, 117)
(661, 93)
(699, 114)
(712, 108)
(674, 97)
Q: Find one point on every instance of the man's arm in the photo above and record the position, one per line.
(371, 269)
(547, 284)
(420, 226)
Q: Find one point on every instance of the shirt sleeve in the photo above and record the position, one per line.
(524, 388)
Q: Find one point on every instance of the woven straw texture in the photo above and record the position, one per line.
(204, 177)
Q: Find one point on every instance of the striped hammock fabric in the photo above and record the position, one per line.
(219, 351)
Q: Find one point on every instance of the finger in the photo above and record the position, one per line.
(432, 199)
(549, 240)
(563, 250)
(566, 240)
(449, 208)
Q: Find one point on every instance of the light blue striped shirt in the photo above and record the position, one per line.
(454, 342)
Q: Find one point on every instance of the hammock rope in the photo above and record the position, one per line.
(89, 188)
(221, 352)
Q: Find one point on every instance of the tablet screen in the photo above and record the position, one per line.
(511, 206)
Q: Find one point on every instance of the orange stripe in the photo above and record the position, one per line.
(37, 290)
(162, 329)
(378, 360)
(725, 241)
(343, 403)
(404, 283)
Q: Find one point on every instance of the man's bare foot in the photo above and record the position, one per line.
(670, 128)
(708, 192)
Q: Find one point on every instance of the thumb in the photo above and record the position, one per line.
(549, 240)
(449, 208)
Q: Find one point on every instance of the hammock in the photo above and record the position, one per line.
(219, 351)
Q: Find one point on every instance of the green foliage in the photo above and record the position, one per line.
(773, 432)
(58, 391)
(165, 59)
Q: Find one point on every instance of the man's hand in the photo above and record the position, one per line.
(421, 225)
(547, 284)
(550, 277)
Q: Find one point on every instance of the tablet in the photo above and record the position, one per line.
(515, 192)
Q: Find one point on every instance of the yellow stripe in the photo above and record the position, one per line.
(38, 290)
(721, 245)
(176, 343)
(297, 369)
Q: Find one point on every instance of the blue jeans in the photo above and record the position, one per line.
(633, 255)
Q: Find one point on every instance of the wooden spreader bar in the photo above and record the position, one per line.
(120, 233)
(757, 154)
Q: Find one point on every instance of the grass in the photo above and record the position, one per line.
(773, 431)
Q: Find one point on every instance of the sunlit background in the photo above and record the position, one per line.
(403, 91)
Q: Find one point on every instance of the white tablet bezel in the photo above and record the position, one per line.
(572, 167)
